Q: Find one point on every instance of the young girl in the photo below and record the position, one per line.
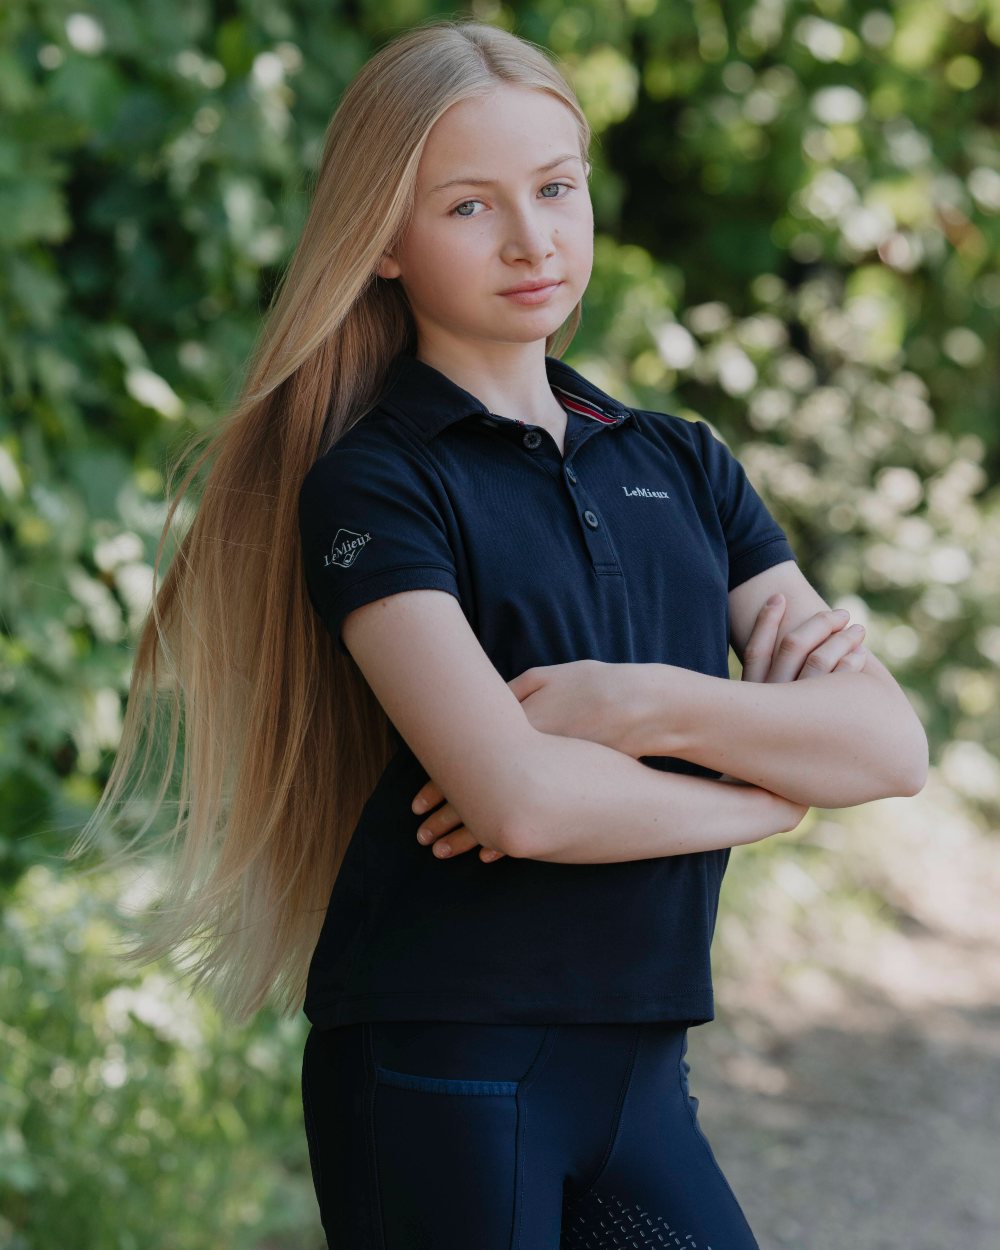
(440, 581)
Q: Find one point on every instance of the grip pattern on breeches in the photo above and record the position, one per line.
(604, 1222)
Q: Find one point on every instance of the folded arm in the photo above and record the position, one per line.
(846, 739)
(514, 788)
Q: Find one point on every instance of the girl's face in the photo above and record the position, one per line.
(517, 209)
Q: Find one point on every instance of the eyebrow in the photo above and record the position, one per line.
(482, 182)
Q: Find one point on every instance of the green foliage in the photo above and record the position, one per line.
(131, 1117)
(797, 213)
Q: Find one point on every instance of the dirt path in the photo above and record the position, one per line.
(850, 1084)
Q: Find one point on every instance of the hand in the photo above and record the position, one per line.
(815, 648)
(576, 700)
(820, 645)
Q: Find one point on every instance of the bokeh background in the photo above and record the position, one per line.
(798, 227)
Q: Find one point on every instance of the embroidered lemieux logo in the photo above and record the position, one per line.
(346, 548)
(646, 492)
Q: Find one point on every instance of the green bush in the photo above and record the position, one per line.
(797, 214)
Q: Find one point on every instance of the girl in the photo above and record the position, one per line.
(440, 581)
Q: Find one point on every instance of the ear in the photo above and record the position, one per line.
(388, 266)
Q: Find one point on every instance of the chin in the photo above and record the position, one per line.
(542, 319)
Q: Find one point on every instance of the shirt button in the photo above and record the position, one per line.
(591, 520)
(571, 475)
(532, 439)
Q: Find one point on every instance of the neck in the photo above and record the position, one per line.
(512, 382)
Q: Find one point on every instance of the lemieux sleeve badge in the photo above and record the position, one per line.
(345, 549)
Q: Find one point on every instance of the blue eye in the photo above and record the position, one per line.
(455, 213)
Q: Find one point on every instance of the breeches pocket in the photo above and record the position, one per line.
(447, 1123)
(455, 1057)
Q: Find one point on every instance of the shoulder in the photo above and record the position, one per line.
(376, 452)
(693, 435)
(689, 439)
(688, 432)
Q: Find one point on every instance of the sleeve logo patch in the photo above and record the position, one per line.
(346, 548)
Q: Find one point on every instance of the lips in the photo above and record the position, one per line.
(531, 286)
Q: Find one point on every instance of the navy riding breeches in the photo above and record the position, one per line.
(452, 1135)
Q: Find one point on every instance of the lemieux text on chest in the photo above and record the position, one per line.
(645, 492)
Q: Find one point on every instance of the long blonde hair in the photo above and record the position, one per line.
(281, 738)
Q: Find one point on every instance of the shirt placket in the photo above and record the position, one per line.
(538, 443)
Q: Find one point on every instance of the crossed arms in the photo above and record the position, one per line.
(545, 772)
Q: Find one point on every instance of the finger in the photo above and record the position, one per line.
(760, 645)
(792, 650)
(458, 841)
(823, 659)
(429, 795)
(853, 661)
(438, 823)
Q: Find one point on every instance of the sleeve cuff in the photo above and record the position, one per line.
(378, 585)
(749, 563)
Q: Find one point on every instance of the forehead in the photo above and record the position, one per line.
(520, 124)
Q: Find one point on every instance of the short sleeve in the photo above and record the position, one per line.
(754, 538)
(370, 527)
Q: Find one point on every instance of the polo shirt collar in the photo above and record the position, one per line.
(430, 401)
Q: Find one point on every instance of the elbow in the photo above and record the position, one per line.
(501, 825)
(901, 773)
(520, 835)
(916, 778)
(912, 764)
(528, 793)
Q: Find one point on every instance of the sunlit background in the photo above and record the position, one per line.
(798, 227)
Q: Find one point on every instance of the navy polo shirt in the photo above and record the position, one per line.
(623, 549)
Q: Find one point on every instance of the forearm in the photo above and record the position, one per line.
(834, 741)
(592, 804)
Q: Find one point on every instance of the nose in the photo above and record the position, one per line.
(526, 236)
